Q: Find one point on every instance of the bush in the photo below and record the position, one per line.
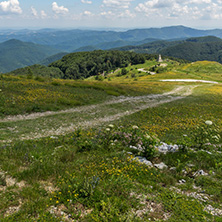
(99, 78)
(124, 71)
(133, 138)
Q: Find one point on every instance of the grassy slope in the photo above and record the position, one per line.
(63, 171)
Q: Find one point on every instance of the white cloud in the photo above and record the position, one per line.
(126, 14)
(117, 3)
(213, 11)
(10, 6)
(199, 1)
(107, 14)
(59, 9)
(184, 9)
(34, 12)
(43, 14)
(87, 13)
(86, 2)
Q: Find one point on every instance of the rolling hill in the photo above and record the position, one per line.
(114, 44)
(53, 58)
(70, 40)
(17, 54)
(196, 50)
(192, 49)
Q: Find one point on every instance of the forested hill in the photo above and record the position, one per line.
(16, 54)
(86, 64)
(196, 51)
(191, 49)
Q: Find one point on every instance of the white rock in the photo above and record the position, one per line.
(201, 173)
(182, 181)
(164, 148)
(143, 160)
(213, 211)
(161, 166)
(173, 168)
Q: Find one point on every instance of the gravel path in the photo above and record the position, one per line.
(181, 90)
(188, 80)
(56, 123)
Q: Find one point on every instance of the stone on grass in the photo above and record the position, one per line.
(161, 166)
(173, 168)
(182, 181)
(143, 160)
(214, 211)
(164, 148)
(200, 173)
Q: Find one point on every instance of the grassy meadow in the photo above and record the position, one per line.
(63, 166)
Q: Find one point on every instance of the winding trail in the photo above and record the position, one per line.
(37, 125)
(181, 90)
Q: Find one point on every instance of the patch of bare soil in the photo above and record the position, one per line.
(60, 211)
(149, 207)
(13, 209)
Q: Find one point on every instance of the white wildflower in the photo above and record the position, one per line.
(107, 129)
(135, 127)
(147, 136)
(111, 126)
(209, 123)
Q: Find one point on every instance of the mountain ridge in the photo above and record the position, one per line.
(70, 40)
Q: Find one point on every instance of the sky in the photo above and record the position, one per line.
(202, 14)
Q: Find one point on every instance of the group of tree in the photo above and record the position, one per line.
(85, 64)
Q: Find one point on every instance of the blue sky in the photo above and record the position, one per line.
(203, 14)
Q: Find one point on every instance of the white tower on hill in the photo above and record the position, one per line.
(159, 59)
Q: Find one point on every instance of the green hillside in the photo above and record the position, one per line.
(86, 64)
(192, 49)
(128, 148)
(53, 58)
(196, 51)
(17, 54)
(38, 71)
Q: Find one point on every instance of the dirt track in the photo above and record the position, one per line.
(181, 90)
(66, 121)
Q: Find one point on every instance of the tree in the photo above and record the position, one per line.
(124, 71)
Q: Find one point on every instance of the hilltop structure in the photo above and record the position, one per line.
(159, 59)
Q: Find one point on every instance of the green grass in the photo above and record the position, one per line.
(170, 121)
(87, 174)
(20, 96)
(97, 176)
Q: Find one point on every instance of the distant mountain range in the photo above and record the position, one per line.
(70, 40)
(26, 47)
(17, 54)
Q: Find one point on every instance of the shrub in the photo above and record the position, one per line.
(134, 138)
(124, 71)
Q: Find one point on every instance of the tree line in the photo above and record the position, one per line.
(85, 64)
